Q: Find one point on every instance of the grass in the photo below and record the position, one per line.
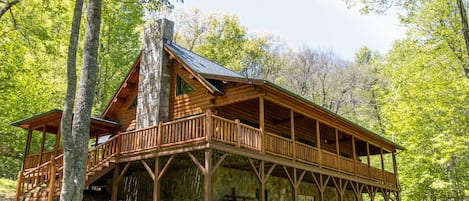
(7, 189)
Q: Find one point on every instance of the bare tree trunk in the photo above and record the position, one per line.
(74, 160)
(66, 121)
(465, 32)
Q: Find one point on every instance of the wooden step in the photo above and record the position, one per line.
(93, 176)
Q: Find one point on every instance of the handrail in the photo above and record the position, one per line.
(32, 160)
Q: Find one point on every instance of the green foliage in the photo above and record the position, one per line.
(426, 110)
(7, 189)
(222, 39)
(120, 46)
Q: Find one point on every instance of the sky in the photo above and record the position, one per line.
(319, 24)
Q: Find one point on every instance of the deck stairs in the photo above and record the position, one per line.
(34, 184)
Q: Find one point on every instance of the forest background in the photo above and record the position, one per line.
(417, 94)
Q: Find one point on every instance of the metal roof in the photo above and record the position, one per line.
(59, 113)
(200, 64)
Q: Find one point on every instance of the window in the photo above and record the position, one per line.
(182, 87)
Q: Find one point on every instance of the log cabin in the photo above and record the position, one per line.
(181, 127)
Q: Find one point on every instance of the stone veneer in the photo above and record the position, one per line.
(186, 185)
(154, 76)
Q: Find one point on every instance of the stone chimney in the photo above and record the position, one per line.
(154, 75)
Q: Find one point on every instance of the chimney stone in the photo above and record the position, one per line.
(154, 75)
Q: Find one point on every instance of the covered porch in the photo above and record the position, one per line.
(44, 135)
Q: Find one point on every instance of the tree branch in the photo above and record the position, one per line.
(8, 6)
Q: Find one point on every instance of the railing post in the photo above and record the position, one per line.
(118, 144)
(261, 141)
(159, 137)
(52, 179)
(19, 187)
(208, 125)
(238, 133)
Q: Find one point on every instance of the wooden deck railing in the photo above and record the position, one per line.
(37, 159)
(278, 145)
(194, 129)
(306, 153)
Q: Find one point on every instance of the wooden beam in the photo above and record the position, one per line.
(215, 167)
(126, 167)
(394, 164)
(368, 159)
(261, 121)
(196, 162)
(337, 150)
(28, 148)
(165, 167)
(292, 130)
(354, 155)
(57, 139)
(208, 175)
(382, 166)
(156, 180)
(42, 144)
(52, 179)
(115, 183)
(340, 186)
(149, 170)
(318, 143)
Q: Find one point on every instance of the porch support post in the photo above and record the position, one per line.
(42, 144)
(382, 166)
(321, 184)
(340, 185)
(337, 150)
(57, 141)
(261, 176)
(115, 183)
(292, 130)
(295, 181)
(156, 179)
(368, 159)
(28, 147)
(261, 122)
(208, 175)
(318, 143)
(354, 155)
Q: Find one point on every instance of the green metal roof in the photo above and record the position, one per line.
(57, 111)
(199, 63)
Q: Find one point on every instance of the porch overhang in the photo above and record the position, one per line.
(50, 120)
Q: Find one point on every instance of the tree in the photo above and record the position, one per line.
(76, 143)
(441, 20)
(67, 192)
(426, 110)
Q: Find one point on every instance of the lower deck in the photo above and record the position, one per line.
(208, 142)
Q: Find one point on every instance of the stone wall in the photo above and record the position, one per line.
(186, 185)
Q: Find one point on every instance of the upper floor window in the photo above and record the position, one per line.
(182, 87)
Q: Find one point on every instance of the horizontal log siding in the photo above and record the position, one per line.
(187, 104)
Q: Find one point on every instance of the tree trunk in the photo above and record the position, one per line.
(465, 32)
(8, 7)
(66, 121)
(74, 160)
